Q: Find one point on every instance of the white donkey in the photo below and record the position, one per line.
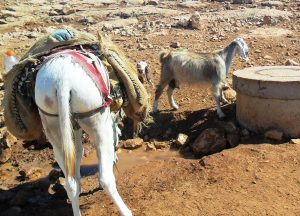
(69, 101)
(193, 68)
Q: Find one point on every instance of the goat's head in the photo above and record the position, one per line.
(243, 48)
(144, 73)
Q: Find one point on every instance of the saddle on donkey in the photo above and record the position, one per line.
(20, 111)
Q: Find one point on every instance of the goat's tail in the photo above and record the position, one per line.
(163, 56)
(65, 124)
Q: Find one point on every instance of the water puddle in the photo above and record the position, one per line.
(127, 160)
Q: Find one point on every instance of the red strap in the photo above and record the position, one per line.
(92, 70)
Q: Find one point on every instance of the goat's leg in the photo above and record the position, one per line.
(216, 93)
(158, 93)
(100, 129)
(72, 185)
(224, 100)
(172, 86)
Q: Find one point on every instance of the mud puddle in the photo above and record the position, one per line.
(126, 160)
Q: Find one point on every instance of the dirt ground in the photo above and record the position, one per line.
(258, 177)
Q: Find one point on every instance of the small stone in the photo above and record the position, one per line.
(153, 2)
(242, 1)
(5, 155)
(150, 146)
(291, 62)
(295, 141)
(175, 45)
(257, 51)
(230, 94)
(210, 141)
(132, 143)
(229, 127)
(61, 181)
(32, 174)
(268, 57)
(271, 3)
(195, 21)
(68, 11)
(269, 20)
(141, 46)
(181, 139)
(183, 22)
(274, 135)
(160, 145)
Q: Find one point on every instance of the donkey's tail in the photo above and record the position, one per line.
(65, 124)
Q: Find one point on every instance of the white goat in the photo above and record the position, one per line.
(68, 100)
(192, 68)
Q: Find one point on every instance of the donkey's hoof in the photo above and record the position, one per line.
(175, 107)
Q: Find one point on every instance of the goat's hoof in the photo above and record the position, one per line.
(222, 116)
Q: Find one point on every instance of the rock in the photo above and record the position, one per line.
(5, 155)
(150, 146)
(274, 135)
(271, 3)
(228, 127)
(230, 94)
(3, 22)
(87, 21)
(210, 141)
(132, 143)
(32, 174)
(141, 46)
(269, 20)
(195, 21)
(233, 139)
(181, 139)
(153, 2)
(160, 145)
(291, 62)
(268, 57)
(295, 141)
(53, 13)
(183, 22)
(175, 45)
(68, 11)
(242, 1)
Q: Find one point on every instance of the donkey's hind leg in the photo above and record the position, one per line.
(100, 129)
(53, 134)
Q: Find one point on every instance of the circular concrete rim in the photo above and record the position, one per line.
(277, 82)
(270, 73)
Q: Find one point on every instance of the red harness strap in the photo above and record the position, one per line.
(92, 69)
